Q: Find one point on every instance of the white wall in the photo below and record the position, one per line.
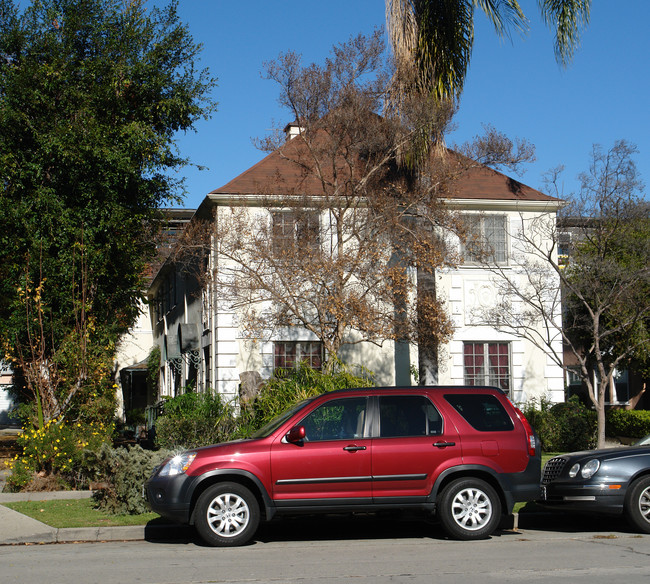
(470, 289)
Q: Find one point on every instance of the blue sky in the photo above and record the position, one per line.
(516, 85)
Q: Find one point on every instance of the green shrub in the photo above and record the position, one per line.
(58, 450)
(562, 427)
(282, 392)
(544, 423)
(628, 423)
(194, 419)
(577, 426)
(124, 471)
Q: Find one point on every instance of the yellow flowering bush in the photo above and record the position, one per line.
(59, 449)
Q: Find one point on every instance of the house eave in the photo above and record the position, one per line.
(540, 206)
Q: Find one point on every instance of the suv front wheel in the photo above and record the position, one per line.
(227, 514)
(469, 509)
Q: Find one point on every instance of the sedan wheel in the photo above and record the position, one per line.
(469, 509)
(637, 504)
(227, 514)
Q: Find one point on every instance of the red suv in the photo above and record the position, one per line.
(465, 453)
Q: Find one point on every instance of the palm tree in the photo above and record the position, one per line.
(433, 39)
(432, 43)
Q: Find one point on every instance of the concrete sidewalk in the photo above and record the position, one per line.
(16, 528)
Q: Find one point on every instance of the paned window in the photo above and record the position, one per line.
(295, 228)
(486, 239)
(487, 364)
(289, 355)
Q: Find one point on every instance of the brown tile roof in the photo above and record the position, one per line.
(275, 174)
(483, 182)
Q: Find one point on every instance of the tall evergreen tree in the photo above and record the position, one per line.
(92, 95)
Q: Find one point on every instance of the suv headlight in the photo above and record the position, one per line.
(177, 465)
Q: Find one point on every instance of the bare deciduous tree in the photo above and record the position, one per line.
(600, 312)
(340, 238)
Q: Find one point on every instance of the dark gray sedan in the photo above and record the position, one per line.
(614, 481)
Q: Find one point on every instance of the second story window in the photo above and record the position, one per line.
(295, 230)
(486, 239)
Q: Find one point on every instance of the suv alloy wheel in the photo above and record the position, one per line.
(469, 509)
(227, 514)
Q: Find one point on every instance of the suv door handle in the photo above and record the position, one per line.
(443, 444)
(353, 448)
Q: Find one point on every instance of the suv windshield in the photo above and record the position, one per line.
(275, 423)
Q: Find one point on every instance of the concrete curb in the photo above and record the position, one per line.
(44, 496)
(19, 529)
(50, 535)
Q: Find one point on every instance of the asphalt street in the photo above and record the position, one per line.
(357, 551)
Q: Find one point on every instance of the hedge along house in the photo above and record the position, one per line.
(202, 331)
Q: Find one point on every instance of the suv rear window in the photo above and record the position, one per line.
(484, 413)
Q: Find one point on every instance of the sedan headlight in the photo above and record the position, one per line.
(589, 469)
(177, 465)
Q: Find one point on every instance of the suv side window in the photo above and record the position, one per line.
(408, 415)
(339, 419)
(485, 413)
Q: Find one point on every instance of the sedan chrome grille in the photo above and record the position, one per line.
(552, 469)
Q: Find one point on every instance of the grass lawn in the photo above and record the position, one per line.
(76, 513)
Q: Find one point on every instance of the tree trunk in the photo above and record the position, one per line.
(600, 410)
(427, 343)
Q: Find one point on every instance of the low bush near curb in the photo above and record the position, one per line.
(125, 471)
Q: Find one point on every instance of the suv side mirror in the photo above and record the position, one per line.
(296, 434)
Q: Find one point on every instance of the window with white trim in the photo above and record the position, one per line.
(486, 239)
(487, 364)
(291, 228)
(289, 354)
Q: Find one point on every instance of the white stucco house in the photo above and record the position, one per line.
(134, 348)
(202, 345)
(6, 401)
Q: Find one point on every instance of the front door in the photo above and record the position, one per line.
(333, 461)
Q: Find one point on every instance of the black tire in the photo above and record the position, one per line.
(637, 504)
(469, 509)
(227, 514)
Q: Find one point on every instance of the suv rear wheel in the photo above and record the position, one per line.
(469, 509)
(227, 514)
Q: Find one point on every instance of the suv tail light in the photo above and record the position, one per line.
(530, 434)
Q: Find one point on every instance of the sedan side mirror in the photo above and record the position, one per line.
(296, 434)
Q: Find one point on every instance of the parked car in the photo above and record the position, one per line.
(466, 453)
(645, 441)
(610, 481)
